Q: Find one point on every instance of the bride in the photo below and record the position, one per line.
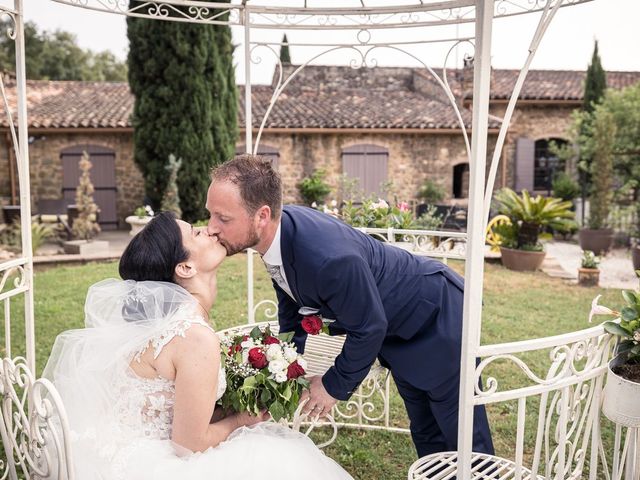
(140, 382)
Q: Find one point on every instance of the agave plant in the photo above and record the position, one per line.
(529, 215)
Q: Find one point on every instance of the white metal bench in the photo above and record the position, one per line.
(566, 411)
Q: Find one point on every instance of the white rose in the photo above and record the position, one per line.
(290, 354)
(248, 344)
(278, 365)
(280, 377)
(274, 351)
(303, 363)
(245, 356)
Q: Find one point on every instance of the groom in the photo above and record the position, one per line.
(403, 309)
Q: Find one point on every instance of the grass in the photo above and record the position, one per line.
(517, 306)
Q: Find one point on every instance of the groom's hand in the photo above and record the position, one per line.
(320, 402)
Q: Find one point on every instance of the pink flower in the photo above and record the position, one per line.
(600, 309)
(403, 206)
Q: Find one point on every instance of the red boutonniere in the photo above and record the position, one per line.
(313, 325)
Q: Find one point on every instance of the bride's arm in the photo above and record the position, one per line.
(197, 361)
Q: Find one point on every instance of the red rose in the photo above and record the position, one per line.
(294, 370)
(312, 324)
(268, 340)
(234, 348)
(257, 358)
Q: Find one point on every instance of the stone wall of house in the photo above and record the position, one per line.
(46, 167)
(413, 158)
(534, 122)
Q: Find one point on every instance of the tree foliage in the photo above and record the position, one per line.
(57, 56)
(285, 55)
(595, 82)
(183, 80)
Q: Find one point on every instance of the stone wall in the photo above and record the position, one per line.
(46, 167)
(413, 158)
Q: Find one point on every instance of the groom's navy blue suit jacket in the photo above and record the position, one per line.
(391, 304)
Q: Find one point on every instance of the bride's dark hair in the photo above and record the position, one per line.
(154, 252)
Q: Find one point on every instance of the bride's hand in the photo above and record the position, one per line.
(247, 419)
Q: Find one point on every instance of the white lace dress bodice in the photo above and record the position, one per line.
(146, 404)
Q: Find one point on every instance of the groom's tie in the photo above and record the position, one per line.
(276, 274)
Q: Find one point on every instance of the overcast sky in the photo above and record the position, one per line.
(568, 43)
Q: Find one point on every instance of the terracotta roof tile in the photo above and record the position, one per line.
(319, 97)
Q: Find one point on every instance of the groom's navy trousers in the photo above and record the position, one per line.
(403, 309)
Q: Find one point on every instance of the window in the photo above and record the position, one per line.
(546, 164)
(368, 165)
(461, 180)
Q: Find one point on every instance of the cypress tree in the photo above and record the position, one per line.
(183, 80)
(285, 56)
(595, 82)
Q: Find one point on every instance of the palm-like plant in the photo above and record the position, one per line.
(529, 215)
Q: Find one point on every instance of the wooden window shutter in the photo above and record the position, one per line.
(524, 171)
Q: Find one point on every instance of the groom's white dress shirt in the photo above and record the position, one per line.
(272, 259)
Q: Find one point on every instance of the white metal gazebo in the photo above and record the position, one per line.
(567, 440)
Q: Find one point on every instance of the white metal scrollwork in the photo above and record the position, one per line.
(33, 424)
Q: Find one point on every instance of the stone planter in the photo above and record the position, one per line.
(137, 223)
(599, 240)
(84, 247)
(521, 260)
(621, 396)
(588, 277)
(635, 257)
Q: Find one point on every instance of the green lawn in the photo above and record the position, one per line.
(517, 306)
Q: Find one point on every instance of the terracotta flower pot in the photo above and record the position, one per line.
(588, 277)
(521, 260)
(621, 396)
(598, 240)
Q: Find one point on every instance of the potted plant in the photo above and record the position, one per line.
(622, 390)
(313, 188)
(598, 237)
(589, 273)
(85, 227)
(141, 216)
(520, 249)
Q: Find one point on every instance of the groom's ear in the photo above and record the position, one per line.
(263, 214)
(185, 270)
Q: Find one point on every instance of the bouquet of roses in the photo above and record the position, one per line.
(263, 372)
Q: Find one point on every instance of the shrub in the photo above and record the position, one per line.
(431, 192)
(313, 188)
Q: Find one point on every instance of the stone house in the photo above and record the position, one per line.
(380, 125)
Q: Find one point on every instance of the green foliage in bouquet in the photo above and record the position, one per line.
(263, 372)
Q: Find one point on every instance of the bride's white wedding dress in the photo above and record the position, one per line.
(121, 423)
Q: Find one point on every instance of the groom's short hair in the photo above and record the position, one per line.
(258, 182)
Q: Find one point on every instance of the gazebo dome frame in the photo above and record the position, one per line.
(360, 21)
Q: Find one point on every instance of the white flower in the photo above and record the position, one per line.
(334, 203)
(314, 205)
(290, 354)
(277, 366)
(381, 204)
(245, 356)
(303, 363)
(599, 309)
(248, 344)
(274, 352)
(280, 377)
(636, 335)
